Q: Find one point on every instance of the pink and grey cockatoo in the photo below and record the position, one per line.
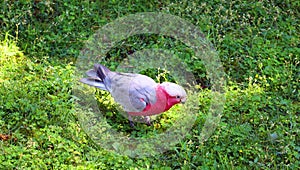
(139, 95)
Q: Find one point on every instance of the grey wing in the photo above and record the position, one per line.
(133, 91)
(142, 96)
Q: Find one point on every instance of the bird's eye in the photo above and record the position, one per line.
(177, 97)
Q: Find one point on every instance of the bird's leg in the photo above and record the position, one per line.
(147, 120)
(130, 121)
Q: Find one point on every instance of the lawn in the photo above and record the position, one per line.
(258, 45)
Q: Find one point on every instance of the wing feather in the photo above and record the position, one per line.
(133, 91)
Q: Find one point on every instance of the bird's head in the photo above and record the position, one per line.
(176, 93)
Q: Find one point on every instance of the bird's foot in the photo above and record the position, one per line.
(131, 123)
(147, 120)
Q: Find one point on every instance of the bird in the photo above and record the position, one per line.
(139, 95)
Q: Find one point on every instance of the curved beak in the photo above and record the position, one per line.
(183, 100)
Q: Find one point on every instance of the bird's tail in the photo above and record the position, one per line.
(96, 77)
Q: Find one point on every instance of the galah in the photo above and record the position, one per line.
(139, 95)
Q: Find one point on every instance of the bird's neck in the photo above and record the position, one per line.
(170, 100)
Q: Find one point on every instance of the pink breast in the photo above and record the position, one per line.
(156, 108)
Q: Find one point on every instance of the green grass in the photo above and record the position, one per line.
(258, 44)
